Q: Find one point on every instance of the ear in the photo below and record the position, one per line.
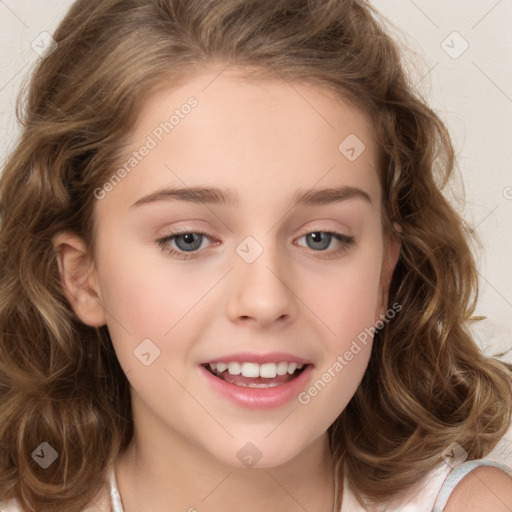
(79, 278)
(392, 249)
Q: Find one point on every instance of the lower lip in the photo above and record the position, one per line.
(259, 398)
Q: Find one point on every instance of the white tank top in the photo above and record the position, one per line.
(430, 494)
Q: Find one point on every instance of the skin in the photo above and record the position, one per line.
(484, 488)
(264, 140)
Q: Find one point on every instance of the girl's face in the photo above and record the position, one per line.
(254, 175)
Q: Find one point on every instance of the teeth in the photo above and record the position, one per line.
(249, 369)
(220, 366)
(235, 369)
(267, 370)
(282, 368)
(252, 385)
(292, 367)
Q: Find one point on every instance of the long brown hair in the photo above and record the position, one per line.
(427, 384)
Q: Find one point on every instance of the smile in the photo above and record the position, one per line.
(256, 385)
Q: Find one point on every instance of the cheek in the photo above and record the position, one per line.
(347, 299)
(143, 296)
(346, 303)
(136, 296)
(141, 287)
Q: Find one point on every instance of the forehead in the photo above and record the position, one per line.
(250, 134)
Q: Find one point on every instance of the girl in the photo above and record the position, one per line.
(229, 276)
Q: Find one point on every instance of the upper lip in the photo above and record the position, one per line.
(250, 357)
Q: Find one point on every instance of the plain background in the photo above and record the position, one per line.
(458, 53)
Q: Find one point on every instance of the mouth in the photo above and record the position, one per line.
(253, 375)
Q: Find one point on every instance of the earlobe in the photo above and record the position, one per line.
(79, 279)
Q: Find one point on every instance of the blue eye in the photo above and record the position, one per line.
(321, 240)
(187, 243)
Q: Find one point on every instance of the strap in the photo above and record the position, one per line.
(115, 497)
(457, 474)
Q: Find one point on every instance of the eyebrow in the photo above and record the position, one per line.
(215, 195)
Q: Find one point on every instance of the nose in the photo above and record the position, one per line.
(261, 294)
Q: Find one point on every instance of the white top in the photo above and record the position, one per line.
(430, 494)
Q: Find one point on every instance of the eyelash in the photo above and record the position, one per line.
(345, 240)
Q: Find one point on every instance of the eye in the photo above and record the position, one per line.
(319, 241)
(187, 243)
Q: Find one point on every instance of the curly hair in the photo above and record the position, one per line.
(427, 383)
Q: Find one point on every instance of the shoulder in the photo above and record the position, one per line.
(482, 488)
